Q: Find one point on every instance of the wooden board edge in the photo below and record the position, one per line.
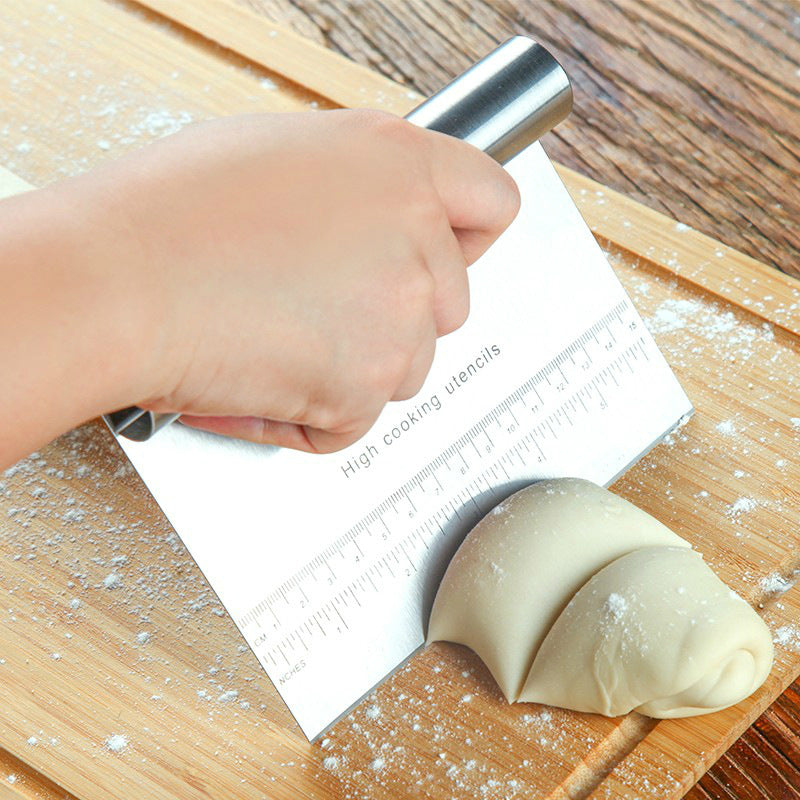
(20, 781)
(717, 269)
(763, 291)
(244, 31)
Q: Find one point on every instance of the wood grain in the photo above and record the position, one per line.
(73, 511)
(690, 107)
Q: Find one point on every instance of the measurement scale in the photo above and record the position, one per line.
(520, 433)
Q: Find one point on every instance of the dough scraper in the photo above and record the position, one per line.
(328, 564)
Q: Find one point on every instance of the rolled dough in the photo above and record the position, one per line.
(574, 597)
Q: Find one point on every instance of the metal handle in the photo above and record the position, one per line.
(136, 423)
(502, 104)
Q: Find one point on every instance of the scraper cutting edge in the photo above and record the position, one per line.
(502, 104)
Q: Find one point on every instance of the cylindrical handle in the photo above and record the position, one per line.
(501, 105)
(137, 424)
(504, 102)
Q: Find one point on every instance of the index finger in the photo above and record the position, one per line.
(480, 198)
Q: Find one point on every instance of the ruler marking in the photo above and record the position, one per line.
(577, 357)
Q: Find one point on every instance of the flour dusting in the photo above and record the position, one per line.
(117, 742)
(788, 636)
(616, 605)
(775, 584)
(742, 506)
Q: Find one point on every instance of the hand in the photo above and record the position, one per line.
(286, 275)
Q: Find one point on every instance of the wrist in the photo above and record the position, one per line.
(89, 274)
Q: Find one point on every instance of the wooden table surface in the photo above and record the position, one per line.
(691, 107)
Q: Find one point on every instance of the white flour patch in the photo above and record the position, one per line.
(616, 605)
(726, 428)
(742, 506)
(117, 742)
(112, 581)
(788, 637)
(775, 584)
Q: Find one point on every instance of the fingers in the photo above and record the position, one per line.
(280, 434)
(254, 429)
(418, 371)
(445, 260)
(481, 199)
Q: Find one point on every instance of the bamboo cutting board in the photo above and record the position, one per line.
(120, 674)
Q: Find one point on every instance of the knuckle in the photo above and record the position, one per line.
(383, 124)
(509, 198)
(325, 418)
(317, 413)
(424, 205)
(455, 317)
(389, 373)
(419, 289)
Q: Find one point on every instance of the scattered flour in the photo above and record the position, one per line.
(117, 742)
(616, 605)
(726, 428)
(775, 583)
(742, 506)
(788, 636)
(710, 328)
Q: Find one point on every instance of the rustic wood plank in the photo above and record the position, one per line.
(689, 107)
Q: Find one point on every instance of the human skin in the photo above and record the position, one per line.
(274, 277)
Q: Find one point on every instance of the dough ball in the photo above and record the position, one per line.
(522, 563)
(656, 631)
(573, 596)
